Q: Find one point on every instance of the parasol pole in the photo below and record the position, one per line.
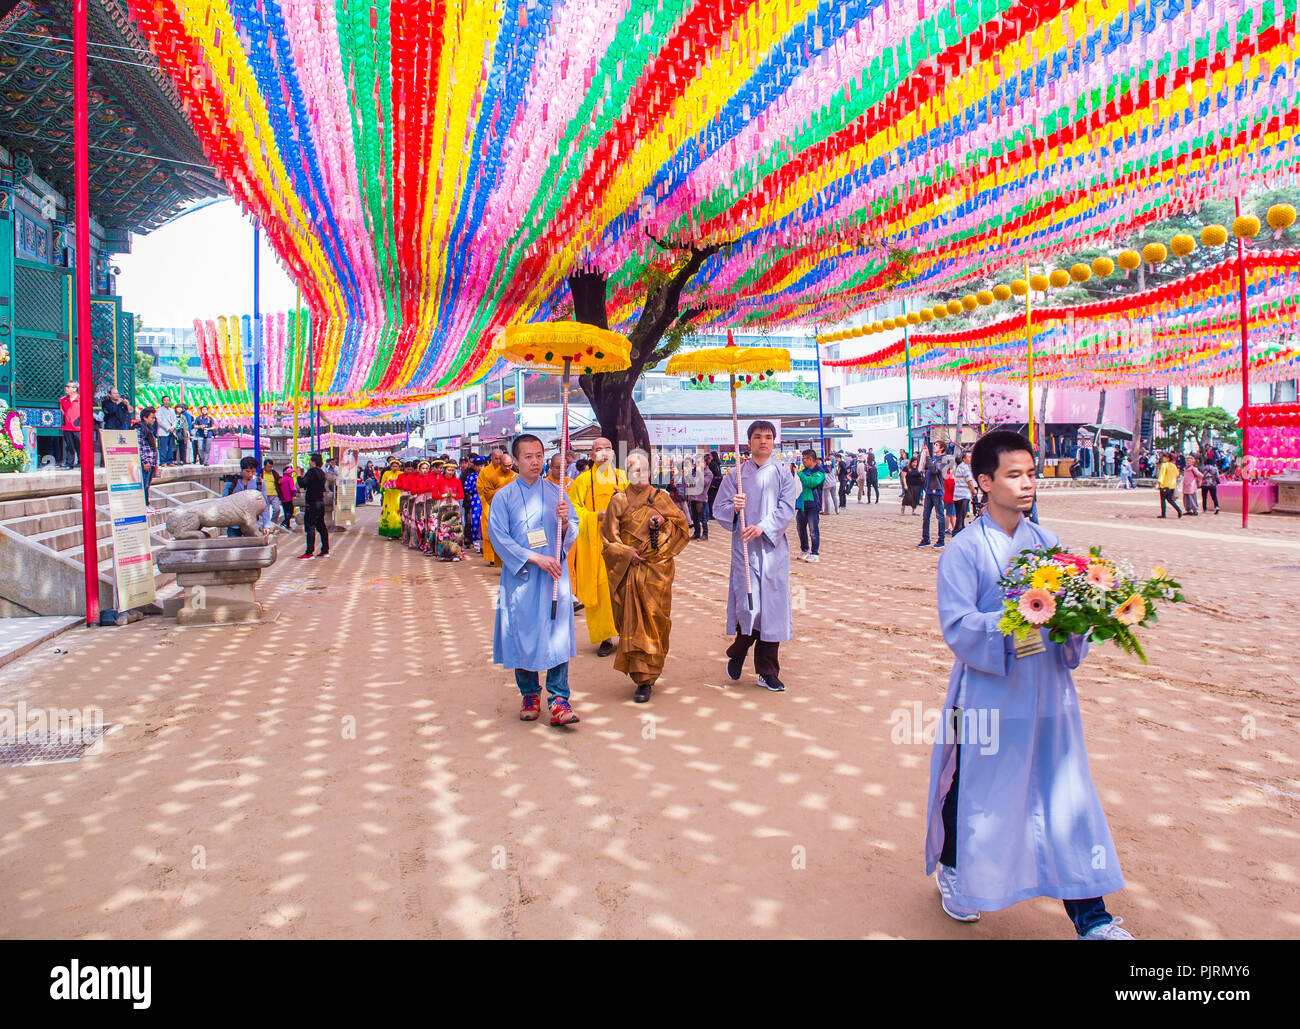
(740, 488)
(1029, 356)
(297, 382)
(564, 480)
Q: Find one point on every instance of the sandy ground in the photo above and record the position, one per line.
(235, 802)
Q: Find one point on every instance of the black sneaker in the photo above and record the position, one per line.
(924, 543)
(771, 682)
(734, 667)
(938, 546)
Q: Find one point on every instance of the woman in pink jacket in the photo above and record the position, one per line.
(1192, 476)
(288, 490)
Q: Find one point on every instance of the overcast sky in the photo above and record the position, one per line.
(199, 266)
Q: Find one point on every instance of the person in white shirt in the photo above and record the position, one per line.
(166, 432)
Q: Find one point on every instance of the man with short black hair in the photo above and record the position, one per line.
(313, 482)
(933, 467)
(1013, 812)
(528, 516)
(249, 480)
(808, 517)
(758, 603)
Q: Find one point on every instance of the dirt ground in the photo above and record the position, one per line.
(357, 769)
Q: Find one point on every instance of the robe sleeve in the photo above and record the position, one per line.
(618, 555)
(677, 539)
(788, 491)
(724, 511)
(1074, 650)
(513, 556)
(971, 634)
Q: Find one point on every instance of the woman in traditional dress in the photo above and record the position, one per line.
(473, 532)
(448, 494)
(643, 530)
(390, 521)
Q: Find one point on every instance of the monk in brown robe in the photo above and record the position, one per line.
(643, 530)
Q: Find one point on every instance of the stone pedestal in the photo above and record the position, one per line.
(219, 579)
(1288, 493)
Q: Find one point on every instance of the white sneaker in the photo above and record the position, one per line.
(946, 878)
(1108, 931)
(813, 558)
(804, 556)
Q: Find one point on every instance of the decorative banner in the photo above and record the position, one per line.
(132, 549)
(430, 174)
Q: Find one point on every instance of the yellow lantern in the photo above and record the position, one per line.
(1281, 217)
(1080, 272)
(1182, 244)
(887, 324)
(1102, 267)
(1154, 253)
(1001, 292)
(925, 314)
(1038, 283)
(1246, 227)
(1129, 259)
(984, 298)
(954, 306)
(969, 303)
(1059, 277)
(914, 319)
(1019, 287)
(1214, 235)
(877, 327)
(940, 310)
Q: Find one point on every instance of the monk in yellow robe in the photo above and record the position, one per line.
(590, 494)
(494, 476)
(643, 531)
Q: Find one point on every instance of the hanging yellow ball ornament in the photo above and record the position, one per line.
(1214, 235)
(877, 327)
(926, 315)
(1154, 253)
(984, 298)
(1039, 283)
(1246, 227)
(915, 319)
(1001, 292)
(1129, 259)
(969, 303)
(954, 306)
(1080, 272)
(1102, 267)
(1281, 217)
(1019, 287)
(1182, 244)
(940, 310)
(1059, 277)
(887, 324)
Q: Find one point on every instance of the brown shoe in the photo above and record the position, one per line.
(642, 693)
(605, 649)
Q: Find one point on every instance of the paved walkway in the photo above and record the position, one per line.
(357, 768)
(19, 636)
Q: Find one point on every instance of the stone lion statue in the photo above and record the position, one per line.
(239, 510)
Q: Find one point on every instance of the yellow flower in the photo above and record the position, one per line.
(1158, 573)
(1046, 578)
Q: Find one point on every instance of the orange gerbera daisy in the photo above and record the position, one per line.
(1037, 606)
(1132, 610)
(1100, 575)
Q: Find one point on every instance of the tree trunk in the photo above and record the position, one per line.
(1209, 402)
(611, 393)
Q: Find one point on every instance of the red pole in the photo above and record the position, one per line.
(86, 387)
(1245, 372)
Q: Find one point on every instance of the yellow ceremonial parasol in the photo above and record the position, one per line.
(564, 345)
(736, 363)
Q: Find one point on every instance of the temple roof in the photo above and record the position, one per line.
(146, 166)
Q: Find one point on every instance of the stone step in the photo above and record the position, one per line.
(34, 524)
(40, 505)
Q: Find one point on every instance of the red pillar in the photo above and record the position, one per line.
(86, 391)
(1245, 371)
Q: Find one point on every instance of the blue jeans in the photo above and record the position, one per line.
(933, 502)
(808, 521)
(166, 448)
(557, 682)
(146, 474)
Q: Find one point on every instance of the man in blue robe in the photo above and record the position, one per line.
(1013, 813)
(768, 502)
(534, 634)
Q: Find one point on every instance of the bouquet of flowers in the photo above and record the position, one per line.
(1088, 594)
